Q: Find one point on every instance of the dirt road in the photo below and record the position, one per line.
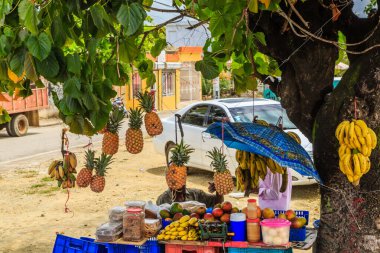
(32, 208)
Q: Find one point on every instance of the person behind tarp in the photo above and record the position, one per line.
(190, 194)
(269, 192)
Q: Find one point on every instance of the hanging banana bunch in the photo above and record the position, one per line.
(356, 141)
(63, 171)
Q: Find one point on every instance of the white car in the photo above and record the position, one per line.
(197, 117)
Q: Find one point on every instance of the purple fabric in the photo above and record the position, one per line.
(269, 192)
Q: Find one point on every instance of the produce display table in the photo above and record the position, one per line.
(228, 244)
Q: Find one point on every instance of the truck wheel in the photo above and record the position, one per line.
(19, 125)
(8, 128)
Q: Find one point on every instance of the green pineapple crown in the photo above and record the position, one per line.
(90, 159)
(102, 164)
(115, 121)
(135, 118)
(181, 154)
(146, 101)
(219, 160)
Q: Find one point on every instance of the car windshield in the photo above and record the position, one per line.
(269, 113)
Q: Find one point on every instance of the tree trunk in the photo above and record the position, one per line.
(348, 213)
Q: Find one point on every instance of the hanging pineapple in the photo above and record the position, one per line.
(153, 124)
(85, 175)
(110, 144)
(98, 181)
(222, 177)
(177, 172)
(134, 137)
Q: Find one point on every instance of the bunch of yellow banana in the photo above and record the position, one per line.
(56, 170)
(185, 229)
(251, 168)
(356, 141)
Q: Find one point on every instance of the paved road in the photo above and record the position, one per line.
(40, 141)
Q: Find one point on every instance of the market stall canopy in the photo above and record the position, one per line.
(267, 141)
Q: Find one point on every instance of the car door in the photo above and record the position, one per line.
(216, 114)
(193, 124)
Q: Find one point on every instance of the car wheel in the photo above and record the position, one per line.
(19, 125)
(168, 147)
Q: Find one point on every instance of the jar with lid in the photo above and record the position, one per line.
(253, 230)
(133, 224)
(252, 209)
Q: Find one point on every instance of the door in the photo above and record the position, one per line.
(193, 123)
(216, 114)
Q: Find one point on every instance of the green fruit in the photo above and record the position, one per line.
(164, 214)
(176, 208)
(186, 212)
(177, 216)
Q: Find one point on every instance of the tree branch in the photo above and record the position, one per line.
(298, 14)
(198, 24)
(163, 10)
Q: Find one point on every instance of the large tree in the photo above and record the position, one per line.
(90, 45)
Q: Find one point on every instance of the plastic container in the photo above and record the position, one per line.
(109, 232)
(252, 209)
(253, 230)
(275, 231)
(135, 203)
(252, 250)
(165, 223)
(65, 244)
(174, 248)
(116, 214)
(238, 226)
(297, 234)
(133, 224)
(152, 226)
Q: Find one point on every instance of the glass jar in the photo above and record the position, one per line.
(253, 230)
(133, 224)
(252, 209)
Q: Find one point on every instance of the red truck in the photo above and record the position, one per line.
(24, 112)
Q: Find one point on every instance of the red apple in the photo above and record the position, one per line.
(217, 212)
(208, 217)
(227, 206)
(225, 218)
(290, 215)
(194, 215)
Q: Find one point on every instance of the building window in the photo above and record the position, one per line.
(168, 83)
(136, 84)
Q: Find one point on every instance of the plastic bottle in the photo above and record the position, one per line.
(252, 209)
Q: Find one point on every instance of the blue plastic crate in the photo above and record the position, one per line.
(151, 246)
(251, 250)
(65, 244)
(297, 234)
(299, 213)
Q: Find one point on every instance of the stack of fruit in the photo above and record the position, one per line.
(63, 171)
(356, 141)
(290, 215)
(185, 229)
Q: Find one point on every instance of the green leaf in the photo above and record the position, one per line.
(158, 47)
(208, 68)
(260, 36)
(131, 16)
(4, 116)
(253, 6)
(73, 63)
(49, 67)
(127, 50)
(76, 123)
(26, 90)
(91, 47)
(30, 68)
(98, 15)
(89, 99)
(149, 2)
(57, 32)
(100, 118)
(72, 88)
(28, 15)
(5, 7)
(17, 62)
(3, 70)
(39, 84)
(39, 46)
(217, 25)
(5, 47)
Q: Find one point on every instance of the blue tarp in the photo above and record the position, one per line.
(269, 141)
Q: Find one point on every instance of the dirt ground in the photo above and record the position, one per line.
(32, 207)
